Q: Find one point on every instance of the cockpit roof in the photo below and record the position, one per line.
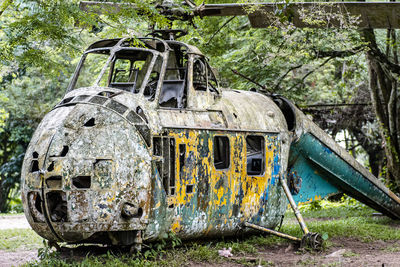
(147, 42)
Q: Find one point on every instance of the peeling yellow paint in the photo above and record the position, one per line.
(176, 226)
(227, 187)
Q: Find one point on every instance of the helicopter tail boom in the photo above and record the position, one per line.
(318, 167)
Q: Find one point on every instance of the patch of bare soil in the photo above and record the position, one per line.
(16, 258)
(344, 252)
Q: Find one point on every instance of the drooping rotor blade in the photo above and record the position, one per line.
(170, 10)
(378, 15)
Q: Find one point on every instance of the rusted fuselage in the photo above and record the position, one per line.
(151, 145)
(145, 143)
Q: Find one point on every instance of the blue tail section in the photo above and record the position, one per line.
(318, 168)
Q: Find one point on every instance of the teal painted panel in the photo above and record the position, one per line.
(313, 185)
(339, 174)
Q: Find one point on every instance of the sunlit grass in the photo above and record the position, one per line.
(19, 239)
(345, 219)
(11, 214)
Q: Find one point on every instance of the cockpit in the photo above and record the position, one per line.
(165, 71)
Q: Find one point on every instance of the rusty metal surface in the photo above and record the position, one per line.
(118, 162)
(305, 125)
(92, 170)
(362, 14)
(270, 231)
(94, 152)
(335, 165)
(115, 166)
(378, 15)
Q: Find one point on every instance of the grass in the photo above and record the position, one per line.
(344, 219)
(11, 214)
(19, 239)
(347, 218)
(392, 248)
(350, 253)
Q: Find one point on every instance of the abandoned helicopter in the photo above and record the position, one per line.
(145, 142)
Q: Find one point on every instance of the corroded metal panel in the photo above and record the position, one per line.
(88, 174)
(209, 201)
(304, 180)
(340, 169)
(116, 167)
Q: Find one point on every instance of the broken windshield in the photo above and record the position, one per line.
(127, 69)
(91, 67)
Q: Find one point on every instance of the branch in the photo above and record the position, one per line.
(309, 73)
(334, 105)
(344, 53)
(393, 113)
(392, 105)
(321, 54)
(251, 80)
(284, 76)
(223, 25)
(373, 85)
(4, 6)
(369, 36)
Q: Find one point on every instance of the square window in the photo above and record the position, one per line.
(255, 155)
(221, 152)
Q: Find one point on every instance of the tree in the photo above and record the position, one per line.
(384, 71)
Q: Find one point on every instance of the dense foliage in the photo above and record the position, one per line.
(40, 43)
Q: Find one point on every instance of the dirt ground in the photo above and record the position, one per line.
(10, 258)
(344, 252)
(13, 222)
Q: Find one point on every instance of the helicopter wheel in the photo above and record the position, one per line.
(312, 241)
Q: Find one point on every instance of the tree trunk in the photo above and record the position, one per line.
(384, 94)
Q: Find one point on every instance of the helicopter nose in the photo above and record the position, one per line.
(87, 171)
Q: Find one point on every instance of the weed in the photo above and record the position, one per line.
(349, 254)
(46, 252)
(238, 246)
(392, 248)
(332, 264)
(202, 253)
(11, 213)
(307, 262)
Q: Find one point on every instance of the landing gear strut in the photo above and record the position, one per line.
(309, 240)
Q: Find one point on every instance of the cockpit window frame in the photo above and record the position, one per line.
(113, 51)
(78, 69)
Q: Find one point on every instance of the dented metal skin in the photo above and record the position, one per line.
(87, 138)
(119, 166)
